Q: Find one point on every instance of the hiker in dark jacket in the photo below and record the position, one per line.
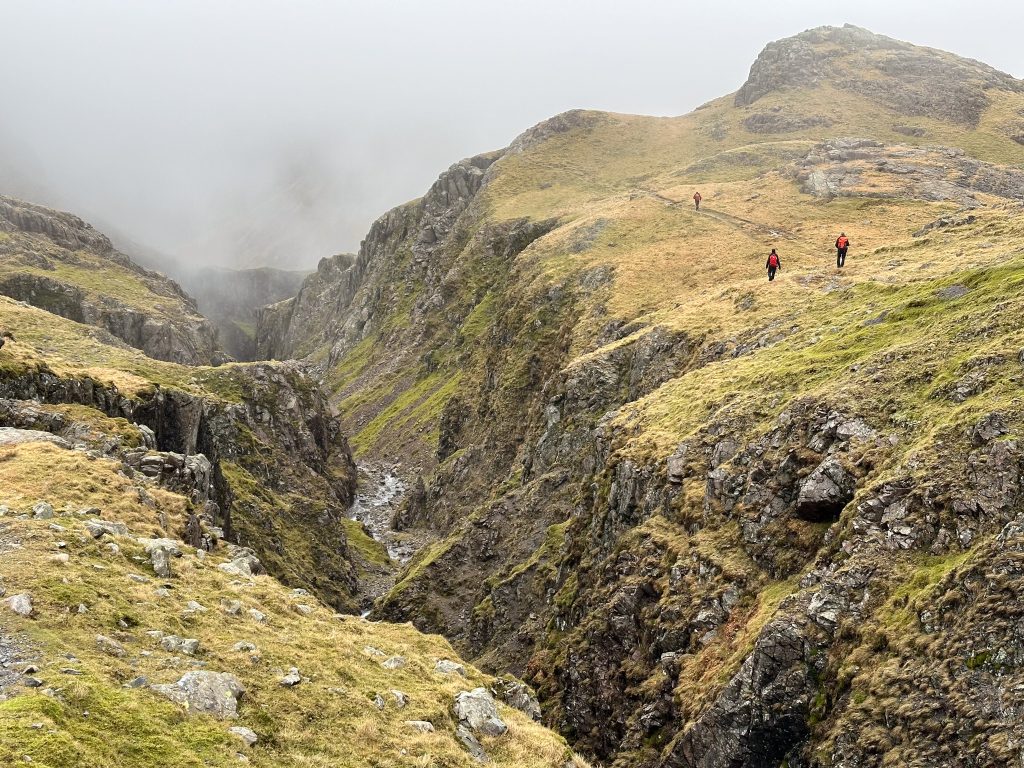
(696, 200)
(842, 244)
(773, 265)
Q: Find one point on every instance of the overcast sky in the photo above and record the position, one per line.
(254, 132)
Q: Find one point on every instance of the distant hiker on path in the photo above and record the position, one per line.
(773, 264)
(842, 243)
(696, 200)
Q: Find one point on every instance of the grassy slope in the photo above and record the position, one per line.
(683, 270)
(81, 351)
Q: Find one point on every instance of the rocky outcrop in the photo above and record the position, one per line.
(210, 693)
(285, 329)
(57, 262)
(852, 167)
(762, 712)
(64, 229)
(334, 307)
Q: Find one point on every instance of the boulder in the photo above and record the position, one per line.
(245, 564)
(212, 693)
(161, 562)
(420, 725)
(258, 616)
(99, 528)
(825, 492)
(20, 604)
(42, 511)
(478, 711)
(109, 646)
(395, 662)
(160, 552)
(292, 679)
(231, 607)
(175, 644)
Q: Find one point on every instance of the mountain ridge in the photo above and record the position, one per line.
(653, 481)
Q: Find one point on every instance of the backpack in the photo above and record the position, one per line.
(842, 242)
(773, 260)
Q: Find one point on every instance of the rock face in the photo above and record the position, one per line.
(761, 713)
(57, 262)
(211, 693)
(66, 230)
(336, 292)
(282, 431)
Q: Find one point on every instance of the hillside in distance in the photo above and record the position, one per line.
(715, 521)
(56, 261)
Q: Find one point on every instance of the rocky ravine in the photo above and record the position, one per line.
(232, 299)
(693, 573)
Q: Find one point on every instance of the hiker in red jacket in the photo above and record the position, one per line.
(842, 243)
(773, 264)
(696, 200)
